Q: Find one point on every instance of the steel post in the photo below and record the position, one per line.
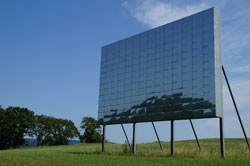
(235, 106)
(197, 140)
(134, 141)
(172, 137)
(103, 138)
(222, 142)
(157, 136)
(126, 136)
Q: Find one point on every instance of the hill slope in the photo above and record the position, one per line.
(186, 153)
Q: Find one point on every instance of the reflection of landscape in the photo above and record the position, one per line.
(165, 108)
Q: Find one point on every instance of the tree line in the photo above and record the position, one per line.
(18, 123)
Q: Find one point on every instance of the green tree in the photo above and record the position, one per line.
(92, 133)
(54, 131)
(15, 123)
(2, 128)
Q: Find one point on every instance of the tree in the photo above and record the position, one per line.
(53, 131)
(2, 128)
(15, 123)
(92, 133)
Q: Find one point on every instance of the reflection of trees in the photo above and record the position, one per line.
(155, 106)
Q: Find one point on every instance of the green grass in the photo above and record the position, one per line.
(186, 153)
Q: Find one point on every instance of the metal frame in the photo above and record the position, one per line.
(222, 143)
(133, 148)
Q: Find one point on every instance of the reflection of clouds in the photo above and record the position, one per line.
(235, 28)
(165, 108)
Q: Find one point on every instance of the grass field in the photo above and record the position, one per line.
(186, 153)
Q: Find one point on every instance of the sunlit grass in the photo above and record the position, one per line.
(186, 153)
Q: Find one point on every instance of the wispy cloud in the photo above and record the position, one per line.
(241, 69)
(156, 13)
(235, 33)
(241, 93)
(235, 21)
(235, 50)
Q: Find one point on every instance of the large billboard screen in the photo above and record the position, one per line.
(171, 72)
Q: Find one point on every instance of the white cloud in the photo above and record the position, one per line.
(242, 69)
(235, 33)
(241, 92)
(232, 125)
(235, 42)
(156, 13)
(235, 21)
(235, 49)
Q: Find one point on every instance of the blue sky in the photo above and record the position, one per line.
(50, 57)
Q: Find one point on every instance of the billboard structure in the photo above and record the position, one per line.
(171, 72)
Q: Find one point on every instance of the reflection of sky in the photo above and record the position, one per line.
(50, 57)
(235, 23)
(176, 59)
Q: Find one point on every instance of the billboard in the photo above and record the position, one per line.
(171, 72)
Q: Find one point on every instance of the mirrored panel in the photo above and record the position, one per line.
(171, 72)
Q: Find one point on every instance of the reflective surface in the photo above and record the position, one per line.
(170, 72)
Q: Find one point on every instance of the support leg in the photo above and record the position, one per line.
(172, 137)
(222, 142)
(103, 138)
(157, 136)
(235, 106)
(126, 136)
(197, 140)
(134, 142)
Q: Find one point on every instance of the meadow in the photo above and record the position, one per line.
(186, 153)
